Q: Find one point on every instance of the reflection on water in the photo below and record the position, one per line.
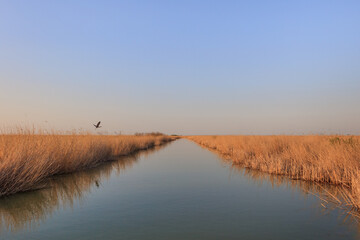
(29, 209)
(331, 197)
(181, 192)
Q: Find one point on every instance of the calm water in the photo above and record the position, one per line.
(178, 192)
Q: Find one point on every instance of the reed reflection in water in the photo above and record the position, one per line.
(181, 192)
(26, 210)
(331, 197)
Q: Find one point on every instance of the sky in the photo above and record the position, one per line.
(181, 67)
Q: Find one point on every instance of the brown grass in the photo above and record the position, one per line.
(26, 210)
(324, 159)
(28, 159)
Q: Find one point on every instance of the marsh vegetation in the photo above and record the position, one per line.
(28, 158)
(323, 159)
(27, 210)
(176, 193)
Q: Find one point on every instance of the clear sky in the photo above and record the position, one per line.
(185, 67)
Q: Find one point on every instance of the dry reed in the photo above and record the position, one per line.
(26, 210)
(27, 159)
(324, 159)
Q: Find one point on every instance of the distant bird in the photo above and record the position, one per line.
(97, 125)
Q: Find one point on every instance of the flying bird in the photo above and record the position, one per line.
(97, 125)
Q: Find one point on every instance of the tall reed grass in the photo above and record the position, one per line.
(27, 159)
(324, 159)
(27, 210)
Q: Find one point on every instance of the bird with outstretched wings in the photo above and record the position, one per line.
(97, 125)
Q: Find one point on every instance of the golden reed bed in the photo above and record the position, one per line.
(324, 159)
(27, 159)
(33, 208)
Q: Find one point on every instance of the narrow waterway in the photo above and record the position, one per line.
(179, 191)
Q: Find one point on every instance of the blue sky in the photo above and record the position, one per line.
(186, 67)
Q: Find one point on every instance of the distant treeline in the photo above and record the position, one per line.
(150, 134)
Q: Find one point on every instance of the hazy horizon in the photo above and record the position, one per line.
(189, 67)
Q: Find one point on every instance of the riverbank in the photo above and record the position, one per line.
(28, 159)
(324, 159)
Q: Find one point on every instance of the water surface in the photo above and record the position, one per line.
(178, 192)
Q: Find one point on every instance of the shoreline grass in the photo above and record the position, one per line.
(25, 210)
(323, 159)
(28, 159)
